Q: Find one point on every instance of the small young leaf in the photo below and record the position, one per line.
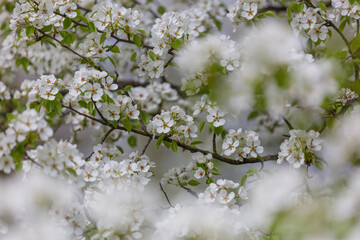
(103, 38)
(193, 182)
(67, 23)
(152, 55)
(132, 141)
(176, 44)
(159, 141)
(127, 124)
(161, 10)
(115, 49)
(201, 127)
(133, 56)
(174, 146)
(127, 88)
(137, 40)
(29, 31)
(91, 27)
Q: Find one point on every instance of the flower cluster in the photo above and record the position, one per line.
(221, 192)
(346, 9)
(243, 144)
(21, 127)
(179, 175)
(172, 27)
(215, 114)
(45, 88)
(128, 221)
(109, 167)
(243, 10)
(299, 149)
(174, 122)
(346, 96)
(58, 159)
(42, 59)
(309, 21)
(86, 83)
(120, 108)
(42, 14)
(150, 97)
(208, 51)
(205, 166)
(114, 18)
(4, 92)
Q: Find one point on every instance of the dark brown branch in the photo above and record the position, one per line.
(183, 145)
(214, 143)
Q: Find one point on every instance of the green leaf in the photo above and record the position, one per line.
(243, 180)
(133, 56)
(144, 117)
(91, 27)
(17, 154)
(166, 144)
(67, 23)
(82, 103)
(351, 2)
(47, 40)
(288, 11)
(193, 182)
(161, 10)
(120, 149)
(196, 142)
(174, 146)
(72, 171)
(159, 141)
(132, 141)
(355, 46)
(342, 25)
(103, 38)
(218, 130)
(68, 40)
(201, 127)
(57, 107)
(270, 14)
(252, 171)
(127, 124)
(115, 49)
(322, 6)
(218, 23)
(115, 124)
(29, 31)
(209, 181)
(46, 28)
(137, 40)
(319, 164)
(176, 44)
(127, 88)
(112, 61)
(152, 55)
(90, 107)
(49, 105)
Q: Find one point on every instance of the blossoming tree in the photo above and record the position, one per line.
(276, 99)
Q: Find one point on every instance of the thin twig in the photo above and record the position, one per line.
(146, 146)
(166, 196)
(190, 191)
